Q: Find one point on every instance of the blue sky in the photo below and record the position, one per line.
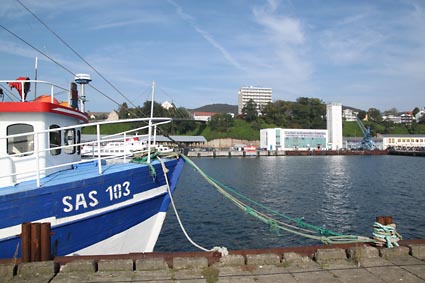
(360, 53)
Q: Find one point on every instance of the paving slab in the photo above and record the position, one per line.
(231, 260)
(316, 277)
(355, 276)
(115, 265)
(151, 264)
(189, 262)
(418, 251)
(394, 274)
(263, 259)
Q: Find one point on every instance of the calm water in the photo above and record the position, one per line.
(340, 193)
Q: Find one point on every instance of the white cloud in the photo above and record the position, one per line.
(207, 36)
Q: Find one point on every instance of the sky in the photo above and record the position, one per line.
(363, 54)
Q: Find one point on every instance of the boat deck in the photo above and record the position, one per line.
(79, 172)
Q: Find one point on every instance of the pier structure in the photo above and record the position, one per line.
(265, 153)
(336, 263)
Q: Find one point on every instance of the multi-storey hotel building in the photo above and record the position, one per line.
(260, 95)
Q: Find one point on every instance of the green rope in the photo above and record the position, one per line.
(328, 237)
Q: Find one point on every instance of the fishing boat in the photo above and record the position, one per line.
(98, 205)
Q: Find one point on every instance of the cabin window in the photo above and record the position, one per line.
(55, 140)
(69, 141)
(78, 142)
(23, 144)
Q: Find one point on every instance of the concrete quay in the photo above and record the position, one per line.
(264, 153)
(336, 263)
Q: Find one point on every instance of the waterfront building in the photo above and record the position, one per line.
(407, 118)
(349, 115)
(334, 125)
(203, 116)
(260, 95)
(293, 139)
(420, 114)
(392, 118)
(404, 142)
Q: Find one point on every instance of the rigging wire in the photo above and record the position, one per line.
(54, 61)
(75, 52)
(183, 114)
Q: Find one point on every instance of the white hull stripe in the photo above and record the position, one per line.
(16, 229)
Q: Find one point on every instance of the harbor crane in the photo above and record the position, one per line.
(367, 142)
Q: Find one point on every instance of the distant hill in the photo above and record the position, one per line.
(218, 108)
(227, 108)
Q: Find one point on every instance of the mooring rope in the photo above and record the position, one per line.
(305, 230)
(386, 235)
(222, 250)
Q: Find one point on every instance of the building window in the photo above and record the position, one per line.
(55, 140)
(23, 144)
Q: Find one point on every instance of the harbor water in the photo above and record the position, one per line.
(340, 193)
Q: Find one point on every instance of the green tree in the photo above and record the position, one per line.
(123, 111)
(415, 111)
(374, 115)
(250, 111)
(221, 122)
(277, 113)
(362, 114)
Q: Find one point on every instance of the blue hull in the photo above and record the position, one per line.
(84, 207)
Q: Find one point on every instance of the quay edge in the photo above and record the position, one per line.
(265, 153)
(311, 264)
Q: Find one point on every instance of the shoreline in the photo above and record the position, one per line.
(265, 153)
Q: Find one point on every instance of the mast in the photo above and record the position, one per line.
(150, 122)
(35, 77)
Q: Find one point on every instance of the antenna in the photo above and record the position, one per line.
(82, 79)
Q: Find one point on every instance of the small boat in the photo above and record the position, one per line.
(128, 146)
(98, 205)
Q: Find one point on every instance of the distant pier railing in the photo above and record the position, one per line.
(261, 153)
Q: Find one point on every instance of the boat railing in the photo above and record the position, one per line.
(45, 87)
(39, 155)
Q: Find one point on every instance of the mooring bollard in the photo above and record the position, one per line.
(45, 241)
(35, 242)
(26, 242)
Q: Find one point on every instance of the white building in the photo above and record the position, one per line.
(420, 114)
(260, 95)
(292, 139)
(349, 115)
(403, 142)
(203, 116)
(167, 105)
(334, 125)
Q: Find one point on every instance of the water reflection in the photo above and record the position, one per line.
(340, 193)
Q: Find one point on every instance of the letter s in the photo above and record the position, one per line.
(94, 200)
(65, 201)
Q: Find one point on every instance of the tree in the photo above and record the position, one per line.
(361, 115)
(415, 111)
(123, 111)
(250, 111)
(374, 115)
(221, 122)
(277, 113)
(391, 111)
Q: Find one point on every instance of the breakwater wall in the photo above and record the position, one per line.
(262, 153)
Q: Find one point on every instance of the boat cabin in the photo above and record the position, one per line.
(38, 136)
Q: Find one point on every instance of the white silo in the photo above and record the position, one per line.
(334, 125)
